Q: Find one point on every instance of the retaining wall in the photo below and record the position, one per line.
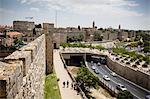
(135, 75)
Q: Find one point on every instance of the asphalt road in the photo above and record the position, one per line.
(138, 92)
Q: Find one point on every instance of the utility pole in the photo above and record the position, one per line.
(56, 18)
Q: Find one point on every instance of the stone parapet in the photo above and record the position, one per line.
(22, 73)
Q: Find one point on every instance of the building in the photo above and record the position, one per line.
(11, 37)
(48, 26)
(25, 27)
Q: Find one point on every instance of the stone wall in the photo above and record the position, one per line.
(22, 74)
(59, 38)
(135, 75)
(24, 27)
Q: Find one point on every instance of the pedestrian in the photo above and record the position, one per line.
(67, 83)
(63, 84)
(75, 86)
(78, 90)
(72, 85)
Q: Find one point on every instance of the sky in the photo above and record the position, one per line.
(130, 14)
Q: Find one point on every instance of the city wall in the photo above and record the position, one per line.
(139, 77)
(22, 73)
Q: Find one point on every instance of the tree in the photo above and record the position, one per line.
(18, 41)
(124, 95)
(79, 27)
(146, 49)
(134, 44)
(38, 26)
(81, 37)
(99, 47)
(98, 37)
(100, 29)
(87, 78)
(34, 32)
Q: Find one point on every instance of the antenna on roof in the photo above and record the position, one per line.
(28, 17)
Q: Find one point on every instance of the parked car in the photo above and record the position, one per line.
(96, 71)
(121, 87)
(105, 77)
(147, 97)
(113, 74)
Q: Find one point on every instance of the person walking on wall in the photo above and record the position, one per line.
(67, 83)
(63, 84)
(72, 85)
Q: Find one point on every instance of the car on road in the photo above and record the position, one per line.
(105, 77)
(147, 97)
(98, 63)
(93, 67)
(113, 74)
(121, 87)
(95, 64)
(96, 71)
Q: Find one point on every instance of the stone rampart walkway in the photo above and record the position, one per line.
(66, 93)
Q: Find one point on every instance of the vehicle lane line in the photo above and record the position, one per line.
(121, 82)
(105, 72)
(109, 75)
(131, 82)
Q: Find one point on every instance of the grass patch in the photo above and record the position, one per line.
(51, 87)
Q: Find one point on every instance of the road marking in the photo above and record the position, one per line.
(111, 79)
(109, 75)
(130, 82)
(117, 83)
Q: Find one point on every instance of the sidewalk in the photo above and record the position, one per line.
(66, 93)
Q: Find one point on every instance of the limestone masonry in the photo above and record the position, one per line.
(22, 73)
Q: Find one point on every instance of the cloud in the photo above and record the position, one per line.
(110, 7)
(35, 9)
(105, 12)
(23, 1)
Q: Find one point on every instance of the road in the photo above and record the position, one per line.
(138, 92)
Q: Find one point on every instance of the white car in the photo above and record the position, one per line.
(96, 71)
(121, 87)
(113, 74)
(93, 67)
(106, 78)
(147, 97)
(98, 63)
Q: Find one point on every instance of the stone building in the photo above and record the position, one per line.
(48, 26)
(59, 38)
(132, 34)
(123, 35)
(25, 27)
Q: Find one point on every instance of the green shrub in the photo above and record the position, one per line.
(124, 95)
